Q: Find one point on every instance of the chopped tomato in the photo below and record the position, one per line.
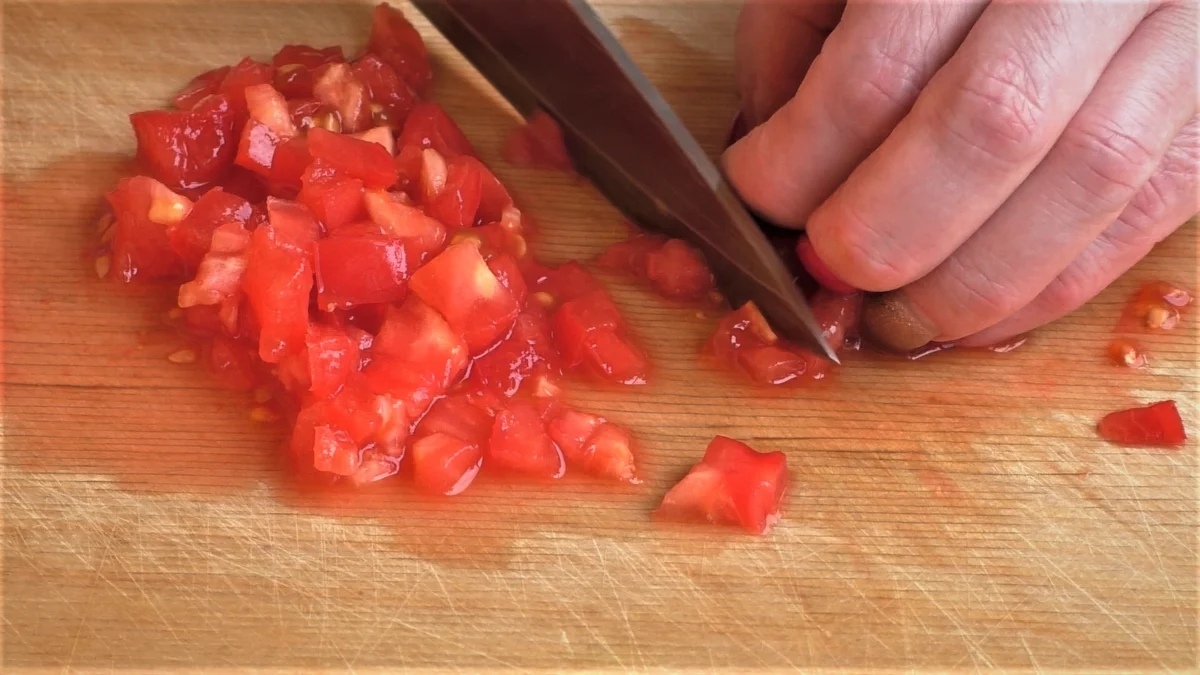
(309, 57)
(416, 356)
(393, 97)
(396, 218)
(246, 73)
(493, 196)
(818, 270)
(268, 107)
(1158, 424)
(292, 157)
(336, 200)
(745, 340)
(459, 284)
(219, 275)
(202, 86)
(279, 277)
(397, 43)
(381, 136)
(589, 331)
(508, 272)
(144, 210)
(335, 452)
(186, 149)
(338, 87)
(333, 354)
(732, 485)
(359, 266)
(594, 445)
(356, 158)
(672, 266)
(527, 352)
(192, 236)
(457, 416)
(569, 281)
(256, 149)
(456, 203)
(428, 126)
(445, 464)
(838, 315)
(538, 144)
(519, 443)
(232, 363)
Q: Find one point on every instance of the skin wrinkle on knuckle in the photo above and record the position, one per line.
(999, 111)
(1109, 164)
(982, 299)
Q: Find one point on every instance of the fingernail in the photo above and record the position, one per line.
(737, 130)
(818, 270)
(892, 323)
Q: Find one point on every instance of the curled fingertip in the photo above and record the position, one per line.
(818, 270)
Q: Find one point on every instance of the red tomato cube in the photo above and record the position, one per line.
(279, 278)
(398, 219)
(360, 159)
(233, 364)
(519, 443)
(526, 353)
(459, 284)
(336, 200)
(445, 464)
(338, 87)
(245, 74)
(219, 274)
(143, 211)
(732, 485)
(457, 416)
(1156, 425)
(358, 266)
(395, 41)
(192, 236)
(428, 126)
(335, 452)
(678, 271)
(309, 57)
(576, 320)
(333, 354)
(416, 356)
(391, 94)
(201, 87)
(187, 149)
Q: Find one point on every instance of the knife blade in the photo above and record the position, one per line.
(557, 56)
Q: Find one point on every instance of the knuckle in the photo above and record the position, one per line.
(979, 299)
(1172, 188)
(884, 89)
(867, 256)
(1000, 110)
(1110, 163)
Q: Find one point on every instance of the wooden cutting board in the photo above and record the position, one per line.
(954, 512)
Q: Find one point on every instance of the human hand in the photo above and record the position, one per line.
(988, 167)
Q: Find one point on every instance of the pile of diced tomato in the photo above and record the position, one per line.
(340, 245)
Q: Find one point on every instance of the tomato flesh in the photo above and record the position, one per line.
(279, 277)
(445, 464)
(396, 42)
(187, 149)
(359, 159)
(358, 266)
(732, 485)
(428, 126)
(519, 443)
(459, 284)
(1158, 424)
(538, 144)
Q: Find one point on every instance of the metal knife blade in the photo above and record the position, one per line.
(559, 57)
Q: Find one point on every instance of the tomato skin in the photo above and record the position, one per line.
(396, 42)
(279, 278)
(187, 149)
(445, 464)
(201, 86)
(732, 485)
(519, 443)
(459, 284)
(358, 266)
(359, 159)
(428, 126)
(1158, 424)
(538, 144)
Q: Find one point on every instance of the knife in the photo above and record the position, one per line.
(558, 56)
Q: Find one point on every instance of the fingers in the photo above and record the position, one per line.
(776, 42)
(1170, 197)
(867, 77)
(985, 121)
(1105, 155)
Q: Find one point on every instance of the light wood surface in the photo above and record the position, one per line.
(955, 512)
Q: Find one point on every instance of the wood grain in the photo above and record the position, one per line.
(956, 512)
